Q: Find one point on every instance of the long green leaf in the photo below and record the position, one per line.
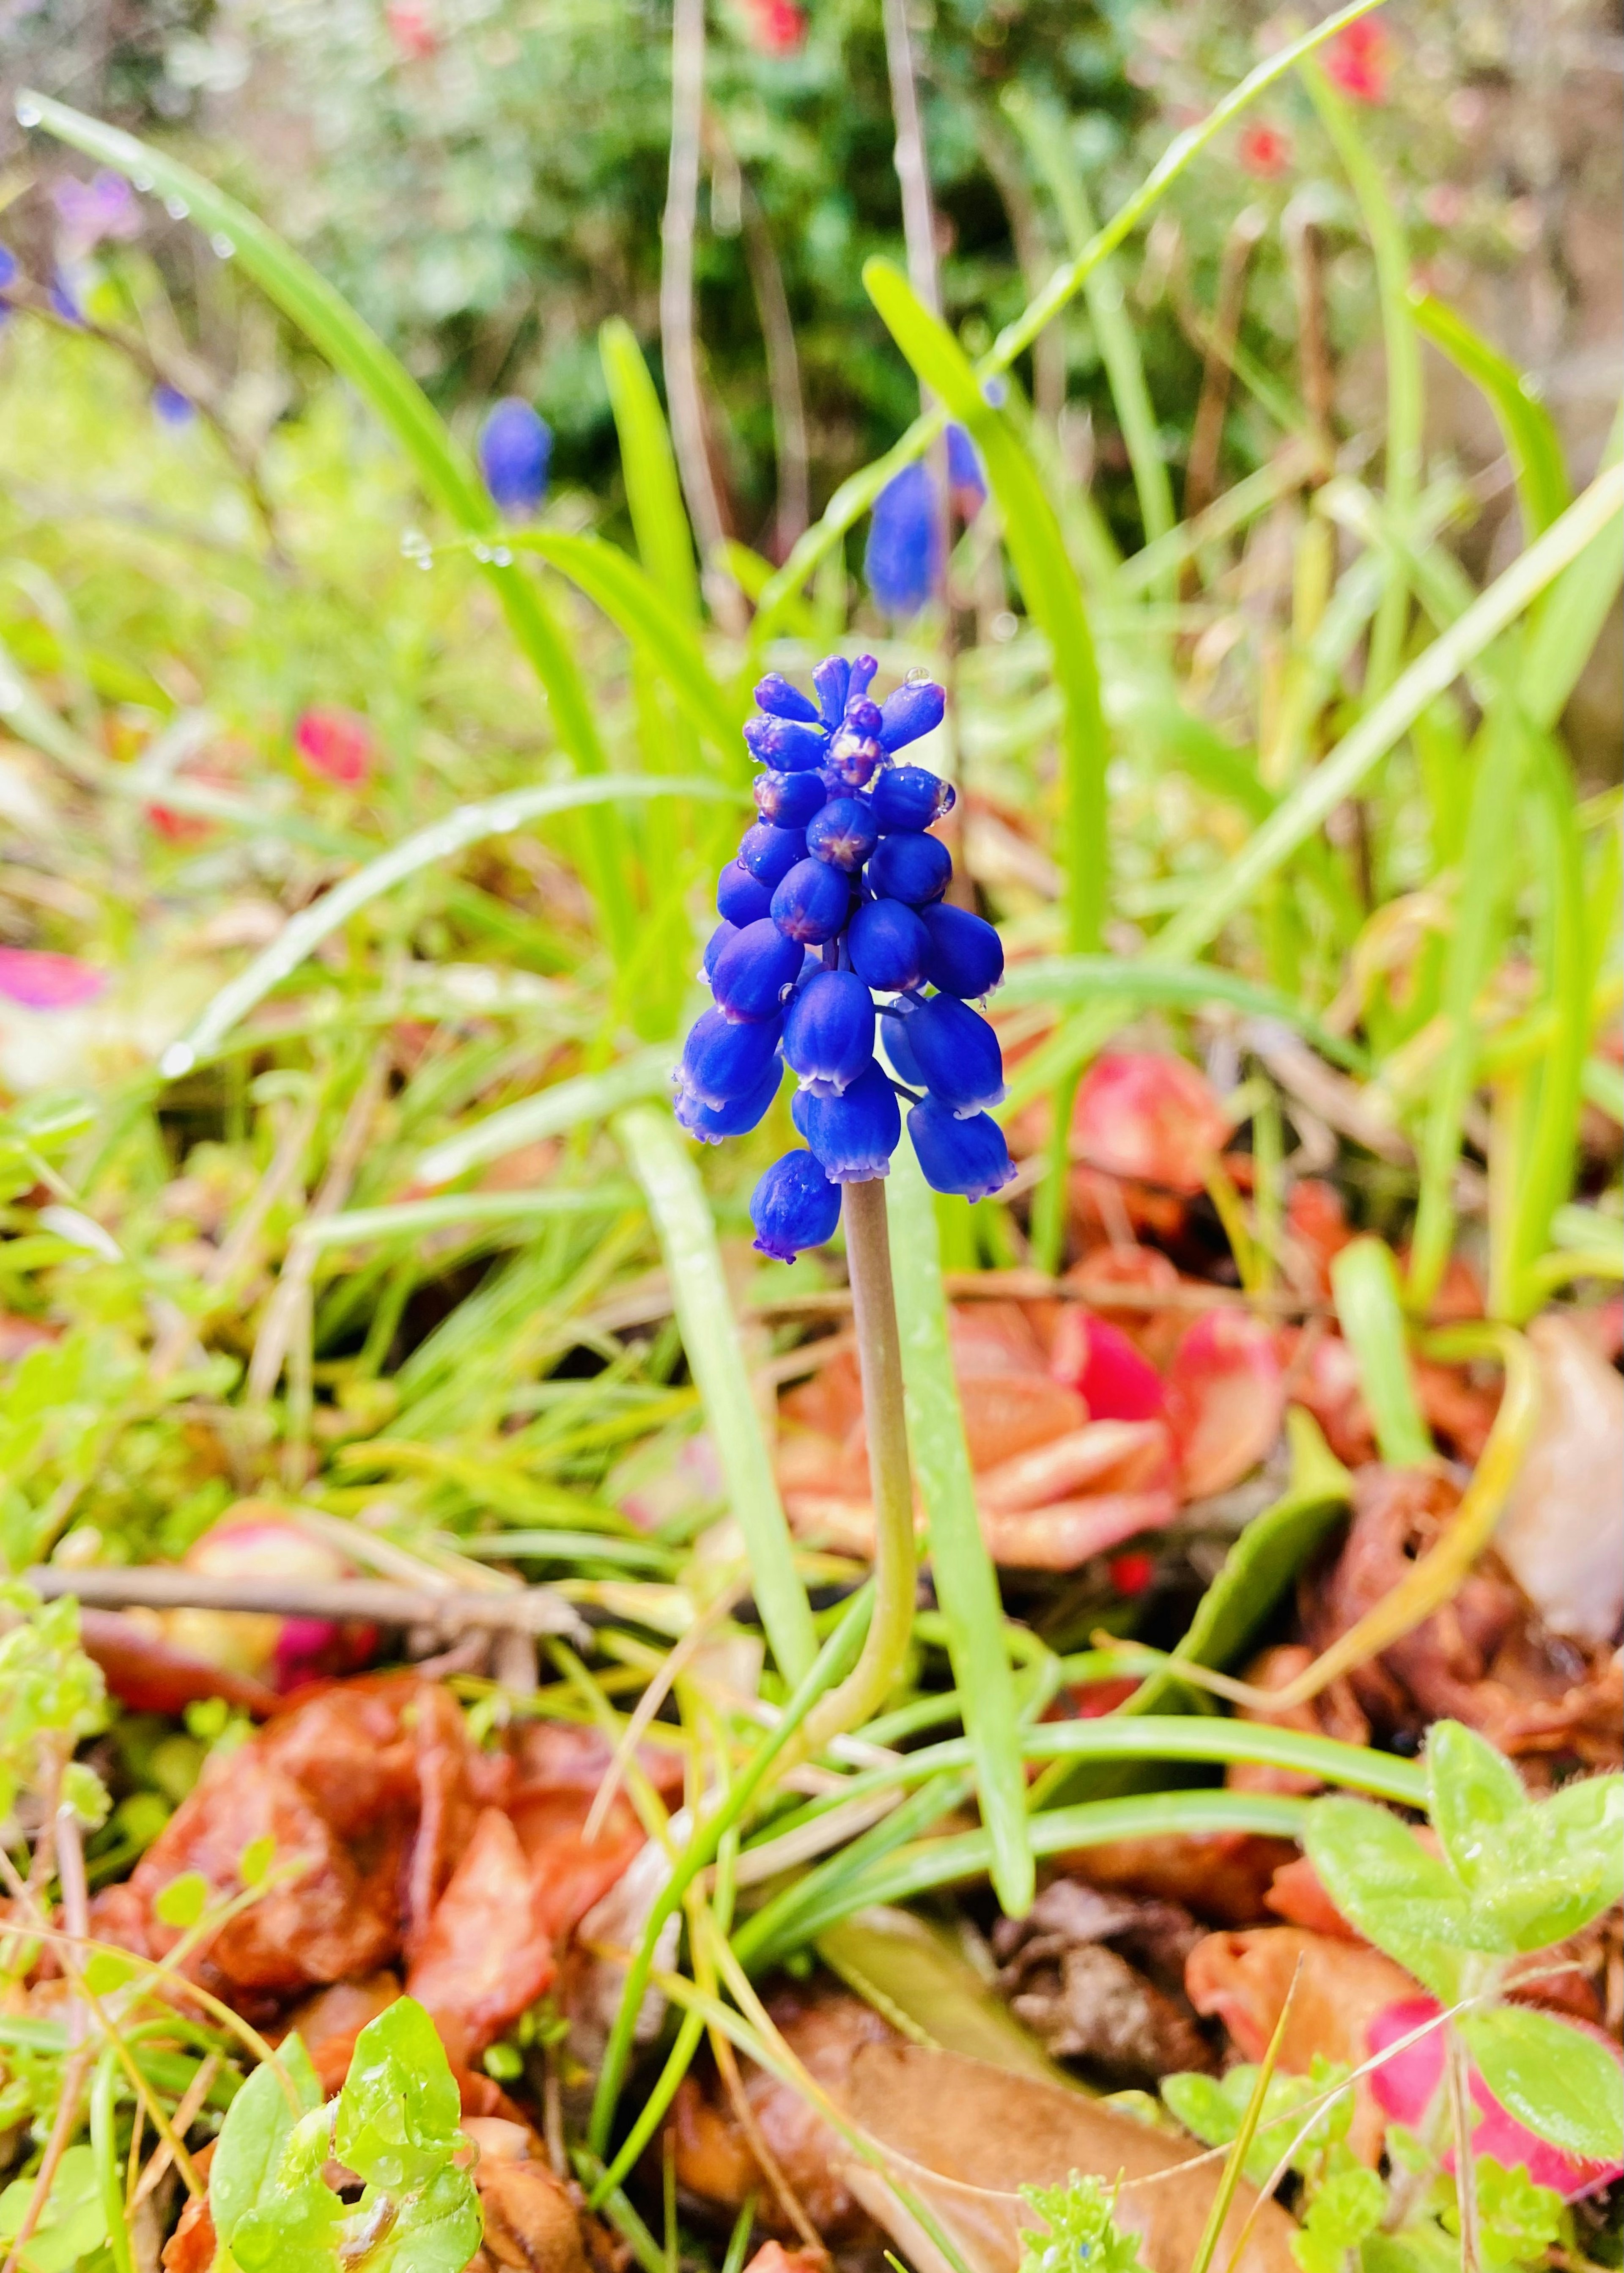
(1135, 981)
(1048, 581)
(1366, 1285)
(440, 841)
(354, 350)
(660, 1160)
(1561, 642)
(1532, 442)
(966, 1582)
(585, 1097)
(654, 494)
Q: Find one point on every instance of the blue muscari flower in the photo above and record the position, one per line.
(794, 1207)
(64, 300)
(833, 898)
(515, 451)
(171, 406)
(903, 559)
(967, 483)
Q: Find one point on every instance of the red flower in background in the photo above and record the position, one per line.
(777, 27)
(1149, 1117)
(412, 29)
(40, 980)
(1265, 151)
(1357, 61)
(337, 745)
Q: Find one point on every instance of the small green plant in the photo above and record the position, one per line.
(50, 1696)
(1212, 2108)
(1082, 2231)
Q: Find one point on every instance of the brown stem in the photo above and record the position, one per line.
(1036, 263)
(1201, 479)
(1306, 253)
(376, 1601)
(784, 375)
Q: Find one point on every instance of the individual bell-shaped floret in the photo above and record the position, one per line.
(842, 832)
(957, 1053)
(779, 699)
(831, 677)
(794, 1207)
(903, 559)
(768, 853)
(966, 957)
(724, 1059)
(887, 945)
(829, 1031)
(966, 484)
(910, 796)
(812, 902)
(710, 1123)
(788, 801)
(967, 1157)
(894, 1033)
(741, 898)
(863, 668)
(714, 946)
(910, 866)
(854, 749)
(853, 1135)
(755, 971)
(515, 450)
(915, 708)
(789, 745)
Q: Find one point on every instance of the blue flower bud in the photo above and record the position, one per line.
(862, 670)
(831, 677)
(852, 758)
(910, 866)
(910, 796)
(903, 559)
(915, 708)
(769, 853)
(753, 971)
(741, 898)
(966, 484)
(887, 944)
(967, 954)
(811, 903)
(710, 1123)
(787, 744)
(957, 1053)
(788, 801)
(853, 1135)
(173, 408)
(515, 450)
(715, 944)
(864, 717)
(794, 1206)
(842, 832)
(829, 1031)
(968, 1157)
(894, 1032)
(722, 1061)
(778, 699)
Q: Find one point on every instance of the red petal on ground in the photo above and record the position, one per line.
(1149, 1117)
(144, 1672)
(487, 1954)
(40, 980)
(1098, 1360)
(337, 745)
(1226, 1400)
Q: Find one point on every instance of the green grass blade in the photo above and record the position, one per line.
(1048, 582)
(356, 351)
(1365, 1282)
(573, 1104)
(966, 1582)
(1561, 642)
(440, 841)
(1532, 440)
(413, 1218)
(663, 1164)
(654, 494)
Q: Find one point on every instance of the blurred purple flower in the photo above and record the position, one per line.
(104, 210)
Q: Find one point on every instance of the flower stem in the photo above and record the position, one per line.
(880, 1361)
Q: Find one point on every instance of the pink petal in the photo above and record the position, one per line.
(337, 745)
(1097, 1359)
(1226, 1400)
(1153, 1118)
(1405, 2082)
(40, 980)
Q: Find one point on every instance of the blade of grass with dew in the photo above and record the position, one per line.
(412, 1219)
(1532, 442)
(1086, 978)
(1048, 143)
(654, 494)
(571, 1104)
(468, 824)
(852, 500)
(357, 354)
(1365, 1282)
(660, 1160)
(966, 1582)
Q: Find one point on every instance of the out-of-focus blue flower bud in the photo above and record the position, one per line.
(515, 451)
(710, 1123)
(910, 796)
(811, 903)
(788, 801)
(915, 709)
(910, 866)
(778, 699)
(957, 1053)
(788, 745)
(722, 1061)
(769, 853)
(887, 944)
(741, 898)
(853, 1134)
(794, 1207)
(753, 971)
(968, 1157)
(842, 832)
(715, 944)
(831, 677)
(966, 484)
(903, 559)
(967, 954)
(829, 1031)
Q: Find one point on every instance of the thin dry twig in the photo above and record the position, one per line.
(376, 1601)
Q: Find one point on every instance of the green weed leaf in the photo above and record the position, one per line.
(437, 2227)
(74, 2225)
(1474, 1798)
(397, 2114)
(1384, 1882)
(1517, 2221)
(254, 2136)
(1562, 2084)
(293, 2224)
(1083, 2237)
(180, 1903)
(1347, 2207)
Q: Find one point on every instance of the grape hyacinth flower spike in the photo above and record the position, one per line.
(836, 955)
